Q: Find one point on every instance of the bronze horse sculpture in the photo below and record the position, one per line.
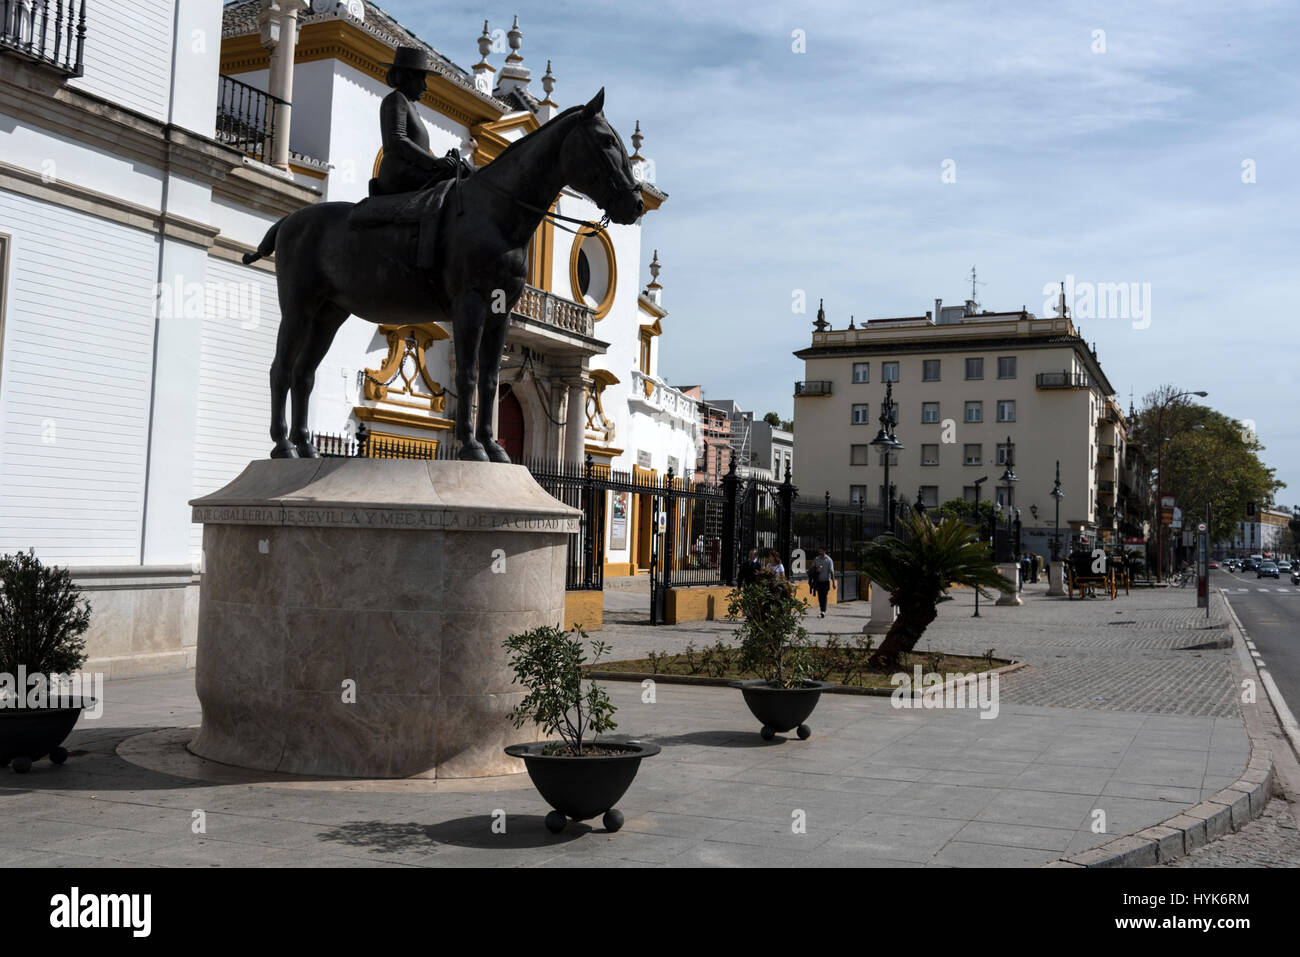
(328, 268)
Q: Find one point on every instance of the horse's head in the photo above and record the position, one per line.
(595, 163)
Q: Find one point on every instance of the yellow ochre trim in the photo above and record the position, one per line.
(602, 235)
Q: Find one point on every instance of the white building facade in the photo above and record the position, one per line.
(135, 346)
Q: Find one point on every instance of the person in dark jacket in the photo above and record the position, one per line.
(407, 164)
(748, 569)
(821, 575)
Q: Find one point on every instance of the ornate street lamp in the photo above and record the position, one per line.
(1058, 495)
(1008, 480)
(888, 444)
(979, 523)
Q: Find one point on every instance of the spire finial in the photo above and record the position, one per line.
(820, 323)
(637, 140)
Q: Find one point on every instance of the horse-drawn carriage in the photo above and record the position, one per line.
(1088, 571)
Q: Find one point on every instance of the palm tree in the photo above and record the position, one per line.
(917, 567)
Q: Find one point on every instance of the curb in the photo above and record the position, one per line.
(1228, 811)
(935, 690)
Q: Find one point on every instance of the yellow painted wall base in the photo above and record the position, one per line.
(584, 609)
(695, 604)
(619, 569)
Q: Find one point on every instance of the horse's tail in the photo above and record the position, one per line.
(265, 247)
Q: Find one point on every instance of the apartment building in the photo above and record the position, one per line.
(972, 391)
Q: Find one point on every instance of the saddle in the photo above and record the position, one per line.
(422, 207)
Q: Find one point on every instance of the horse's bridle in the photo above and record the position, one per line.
(547, 214)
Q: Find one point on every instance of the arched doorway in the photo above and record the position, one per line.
(510, 424)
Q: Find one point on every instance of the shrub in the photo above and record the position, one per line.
(549, 664)
(42, 617)
(773, 641)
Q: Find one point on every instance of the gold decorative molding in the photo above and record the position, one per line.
(377, 413)
(602, 235)
(597, 450)
(406, 443)
(407, 342)
(600, 427)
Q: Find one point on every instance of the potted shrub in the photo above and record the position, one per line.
(774, 645)
(42, 620)
(917, 567)
(578, 776)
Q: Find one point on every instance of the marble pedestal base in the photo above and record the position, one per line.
(883, 613)
(1055, 586)
(352, 611)
(1011, 572)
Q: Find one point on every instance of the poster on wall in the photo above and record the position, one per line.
(618, 525)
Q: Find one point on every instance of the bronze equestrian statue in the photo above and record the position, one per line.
(454, 253)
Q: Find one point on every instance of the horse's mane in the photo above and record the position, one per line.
(554, 122)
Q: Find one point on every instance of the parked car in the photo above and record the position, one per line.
(1267, 570)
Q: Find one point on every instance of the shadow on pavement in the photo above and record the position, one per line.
(522, 831)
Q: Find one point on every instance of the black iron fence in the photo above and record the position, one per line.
(583, 486)
(840, 527)
(246, 118)
(366, 445)
(53, 33)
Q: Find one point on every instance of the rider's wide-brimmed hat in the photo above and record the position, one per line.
(412, 58)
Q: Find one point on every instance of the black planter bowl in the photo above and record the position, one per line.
(781, 709)
(29, 734)
(582, 788)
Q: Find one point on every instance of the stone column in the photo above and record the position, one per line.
(575, 422)
(1010, 571)
(278, 20)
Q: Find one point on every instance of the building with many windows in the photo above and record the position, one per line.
(972, 390)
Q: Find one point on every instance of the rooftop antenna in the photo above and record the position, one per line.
(973, 283)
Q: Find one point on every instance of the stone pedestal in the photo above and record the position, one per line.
(883, 612)
(352, 611)
(1011, 572)
(1055, 585)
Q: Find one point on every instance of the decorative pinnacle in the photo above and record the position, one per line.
(654, 269)
(548, 81)
(485, 43)
(820, 322)
(637, 140)
(516, 38)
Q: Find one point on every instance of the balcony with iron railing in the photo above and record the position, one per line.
(812, 387)
(246, 118)
(1105, 452)
(1063, 380)
(1106, 487)
(49, 32)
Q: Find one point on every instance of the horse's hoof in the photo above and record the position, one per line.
(307, 451)
(285, 451)
(473, 453)
(495, 452)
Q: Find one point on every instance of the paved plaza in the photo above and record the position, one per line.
(1125, 716)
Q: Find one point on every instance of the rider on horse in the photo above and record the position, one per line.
(407, 164)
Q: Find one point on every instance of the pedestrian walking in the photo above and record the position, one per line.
(1036, 562)
(748, 569)
(774, 563)
(821, 576)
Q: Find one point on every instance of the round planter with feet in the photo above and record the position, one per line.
(782, 709)
(29, 734)
(582, 788)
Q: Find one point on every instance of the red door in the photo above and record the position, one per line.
(510, 424)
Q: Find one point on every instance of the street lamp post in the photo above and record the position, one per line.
(1058, 495)
(980, 525)
(1160, 479)
(1008, 480)
(888, 444)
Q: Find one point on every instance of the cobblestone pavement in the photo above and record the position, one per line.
(1271, 840)
(1136, 653)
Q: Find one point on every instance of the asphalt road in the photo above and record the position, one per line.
(1269, 610)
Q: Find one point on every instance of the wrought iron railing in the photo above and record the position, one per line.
(366, 445)
(246, 118)
(1063, 380)
(55, 37)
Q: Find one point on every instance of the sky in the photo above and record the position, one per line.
(870, 154)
